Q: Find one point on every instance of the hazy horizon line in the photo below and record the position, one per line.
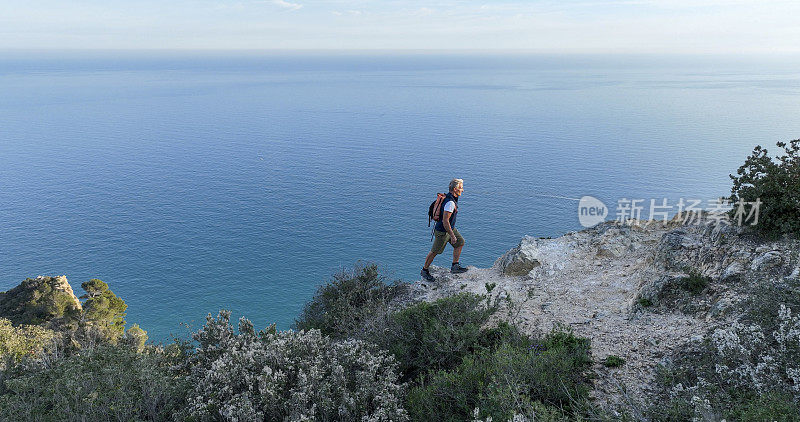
(422, 51)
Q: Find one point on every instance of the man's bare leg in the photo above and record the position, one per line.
(457, 253)
(429, 259)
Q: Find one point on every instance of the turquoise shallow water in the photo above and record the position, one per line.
(192, 182)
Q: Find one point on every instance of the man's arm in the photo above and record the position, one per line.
(447, 228)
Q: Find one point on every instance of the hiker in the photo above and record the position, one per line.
(445, 231)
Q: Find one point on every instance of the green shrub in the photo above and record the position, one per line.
(453, 395)
(102, 384)
(675, 409)
(695, 282)
(23, 341)
(361, 304)
(510, 379)
(678, 293)
(613, 361)
(503, 333)
(778, 407)
(431, 336)
(776, 184)
(563, 368)
(135, 337)
(351, 303)
(765, 300)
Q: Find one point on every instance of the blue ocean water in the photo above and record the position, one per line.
(192, 182)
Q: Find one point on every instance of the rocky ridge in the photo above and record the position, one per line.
(39, 300)
(621, 286)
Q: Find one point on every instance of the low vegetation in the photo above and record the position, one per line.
(289, 375)
(352, 305)
(695, 282)
(613, 361)
(436, 336)
(22, 341)
(775, 183)
(103, 383)
(515, 377)
(360, 352)
(748, 370)
(677, 293)
(454, 359)
(456, 364)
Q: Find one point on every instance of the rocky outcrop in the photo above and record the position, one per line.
(40, 300)
(520, 260)
(638, 291)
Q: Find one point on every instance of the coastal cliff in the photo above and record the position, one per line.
(644, 292)
(643, 321)
(40, 300)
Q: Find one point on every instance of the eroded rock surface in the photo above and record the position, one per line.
(620, 286)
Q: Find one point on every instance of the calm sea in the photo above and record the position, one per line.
(192, 182)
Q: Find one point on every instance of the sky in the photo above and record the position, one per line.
(571, 26)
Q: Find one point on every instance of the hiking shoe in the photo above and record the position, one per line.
(457, 269)
(427, 275)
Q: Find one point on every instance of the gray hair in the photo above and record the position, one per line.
(455, 182)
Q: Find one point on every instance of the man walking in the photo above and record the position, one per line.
(445, 231)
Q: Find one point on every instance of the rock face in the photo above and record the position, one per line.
(520, 260)
(598, 281)
(40, 300)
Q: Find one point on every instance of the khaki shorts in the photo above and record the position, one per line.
(443, 238)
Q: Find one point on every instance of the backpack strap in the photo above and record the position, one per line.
(435, 211)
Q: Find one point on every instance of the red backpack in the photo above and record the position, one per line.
(435, 210)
